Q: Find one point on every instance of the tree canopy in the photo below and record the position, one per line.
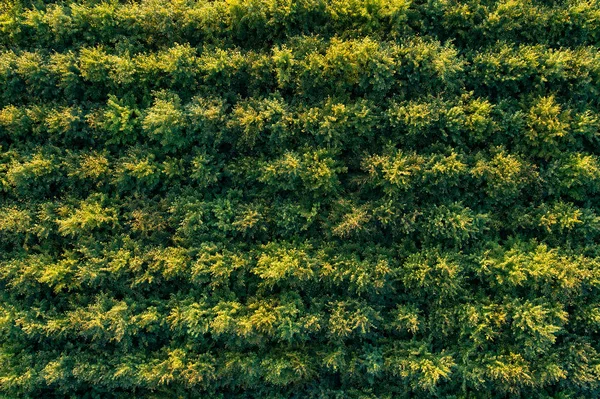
(300, 199)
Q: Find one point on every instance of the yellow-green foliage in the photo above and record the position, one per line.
(299, 199)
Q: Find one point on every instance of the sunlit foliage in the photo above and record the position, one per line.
(299, 199)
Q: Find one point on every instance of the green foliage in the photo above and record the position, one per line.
(299, 199)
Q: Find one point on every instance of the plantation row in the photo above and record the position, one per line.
(538, 127)
(304, 69)
(154, 23)
(445, 223)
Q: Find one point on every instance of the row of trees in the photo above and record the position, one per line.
(259, 23)
(303, 70)
(537, 127)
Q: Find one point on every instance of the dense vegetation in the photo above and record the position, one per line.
(299, 199)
